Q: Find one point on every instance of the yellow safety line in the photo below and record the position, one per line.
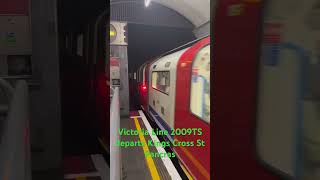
(81, 178)
(135, 116)
(149, 160)
(186, 172)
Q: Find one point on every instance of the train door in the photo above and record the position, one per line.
(193, 108)
(288, 94)
(234, 71)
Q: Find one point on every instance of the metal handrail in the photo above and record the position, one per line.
(15, 144)
(115, 152)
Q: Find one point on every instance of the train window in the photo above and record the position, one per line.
(161, 81)
(134, 76)
(200, 85)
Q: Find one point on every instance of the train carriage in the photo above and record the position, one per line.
(175, 92)
(162, 89)
(193, 108)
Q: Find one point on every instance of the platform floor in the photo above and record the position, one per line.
(135, 164)
(86, 167)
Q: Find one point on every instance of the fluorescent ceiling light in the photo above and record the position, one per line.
(147, 2)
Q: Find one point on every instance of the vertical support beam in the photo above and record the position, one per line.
(118, 49)
(122, 54)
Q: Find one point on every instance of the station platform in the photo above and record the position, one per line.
(86, 167)
(137, 163)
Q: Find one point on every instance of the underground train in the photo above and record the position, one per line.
(174, 91)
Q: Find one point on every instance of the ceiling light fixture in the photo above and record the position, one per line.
(147, 2)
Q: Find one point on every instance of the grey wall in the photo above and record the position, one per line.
(147, 42)
(122, 53)
(45, 100)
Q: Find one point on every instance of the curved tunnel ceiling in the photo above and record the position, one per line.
(196, 11)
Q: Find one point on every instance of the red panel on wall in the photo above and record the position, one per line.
(20, 7)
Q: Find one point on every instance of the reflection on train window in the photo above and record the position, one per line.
(161, 81)
(200, 85)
